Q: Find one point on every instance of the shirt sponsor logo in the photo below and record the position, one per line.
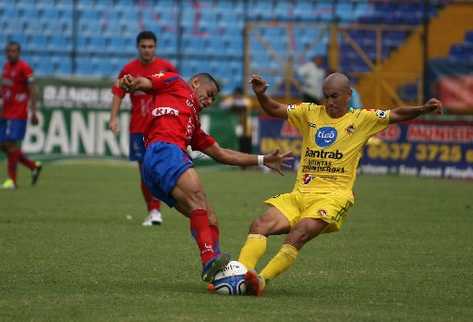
(164, 110)
(325, 136)
(381, 114)
(309, 153)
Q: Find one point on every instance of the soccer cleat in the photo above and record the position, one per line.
(255, 283)
(8, 184)
(36, 172)
(211, 288)
(213, 266)
(154, 218)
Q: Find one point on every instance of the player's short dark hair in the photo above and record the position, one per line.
(146, 34)
(209, 78)
(14, 43)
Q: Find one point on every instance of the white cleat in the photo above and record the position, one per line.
(153, 219)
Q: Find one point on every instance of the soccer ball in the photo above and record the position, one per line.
(231, 280)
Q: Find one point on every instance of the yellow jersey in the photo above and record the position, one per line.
(331, 148)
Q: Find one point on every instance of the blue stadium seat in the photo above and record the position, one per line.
(469, 37)
(84, 66)
(37, 42)
(59, 42)
(61, 65)
(50, 14)
(96, 44)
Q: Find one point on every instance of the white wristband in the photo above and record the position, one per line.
(260, 160)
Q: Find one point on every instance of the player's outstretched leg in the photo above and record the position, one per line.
(272, 222)
(192, 202)
(300, 234)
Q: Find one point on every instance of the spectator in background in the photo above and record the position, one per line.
(17, 92)
(145, 65)
(241, 105)
(312, 75)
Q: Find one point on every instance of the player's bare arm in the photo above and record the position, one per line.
(32, 90)
(410, 112)
(113, 122)
(275, 160)
(130, 83)
(270, 106)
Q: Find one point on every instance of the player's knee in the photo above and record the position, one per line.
(304, 232)
(212, 218)
(261, 226)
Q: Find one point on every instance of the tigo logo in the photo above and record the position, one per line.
(325, 136)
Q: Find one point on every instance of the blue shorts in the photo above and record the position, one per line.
(163, 164)
(12, 130)
(137, 147)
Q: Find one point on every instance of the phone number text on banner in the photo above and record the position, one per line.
(425, 148)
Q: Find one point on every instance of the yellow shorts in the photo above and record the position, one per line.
(331, 208)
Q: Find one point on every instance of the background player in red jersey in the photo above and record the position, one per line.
(17, 91)
(172, 124)
(145, 65)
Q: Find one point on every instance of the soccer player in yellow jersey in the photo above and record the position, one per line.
(333, 138)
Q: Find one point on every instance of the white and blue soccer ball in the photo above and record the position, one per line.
(231, 280)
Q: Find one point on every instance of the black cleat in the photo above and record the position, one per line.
(214, 266)
(35, 173)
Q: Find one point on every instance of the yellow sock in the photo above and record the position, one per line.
(281, 262)
(252, 250)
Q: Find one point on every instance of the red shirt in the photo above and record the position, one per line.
(15, 91)
(140, 101)
(174, 116)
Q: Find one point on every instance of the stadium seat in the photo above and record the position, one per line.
(96, 44)
(408, 92)
(469, 37)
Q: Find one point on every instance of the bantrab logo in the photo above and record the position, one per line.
(325, 136)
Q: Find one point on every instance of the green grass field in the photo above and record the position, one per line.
(69, 251)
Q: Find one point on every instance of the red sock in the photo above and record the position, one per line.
(27, 162)
(202, 233)
(13, 158)
(216, 238)
(154, 204)
(151, 202)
